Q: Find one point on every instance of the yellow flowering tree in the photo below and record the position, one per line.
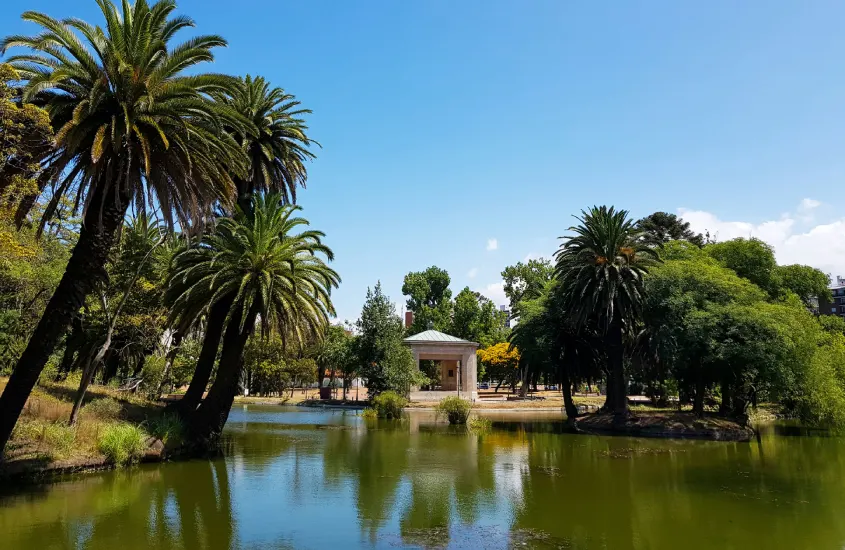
(501, 362)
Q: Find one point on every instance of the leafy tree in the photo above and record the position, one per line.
(661, 227)
(118, 140)
(501, 362)
(751, 259)
(679, 315)
(429, 298)
(476, 319)
(600, 270)
(272, 272)
(525, 281)
(385, 362)
(25, 135)
(335, 354)
(808, 283)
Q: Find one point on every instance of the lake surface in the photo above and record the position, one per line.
(300, 478)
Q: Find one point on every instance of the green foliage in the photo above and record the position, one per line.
(278, 150)
(153, 374)
(122, 443)
(808, 283)
(476, 319)
(167, 427)
(525, 281)
(25, 135)
(455, 409)
(601, 267)
(284, 278)
(389, 404)
(161, 119)
(661, 227)
(369, 414)
(429, 298)
(751, 259)
(386, 363)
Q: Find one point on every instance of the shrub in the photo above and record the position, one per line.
(389, 404)
(369, 414)
(122, 443)
(455, 409)
(105, 407)
(167, 427)
(152, 373)
(479, 424)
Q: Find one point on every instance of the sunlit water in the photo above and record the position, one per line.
(294, 478)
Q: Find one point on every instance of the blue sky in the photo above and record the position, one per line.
(447, 124)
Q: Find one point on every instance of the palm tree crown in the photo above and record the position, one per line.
(601, 267)
(278, 148)
(268, 268)
(126, 117)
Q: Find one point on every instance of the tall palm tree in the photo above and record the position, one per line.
(131, 127)
(268, 273)
(276, 151)
(279, 147)
(600, 270)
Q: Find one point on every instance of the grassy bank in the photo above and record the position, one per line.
(114, 428)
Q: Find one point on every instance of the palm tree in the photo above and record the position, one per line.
(277, 151)
(268, 273)
(131, 127)
(600, 270)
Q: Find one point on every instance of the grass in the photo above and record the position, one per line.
(42, 438)
(122, 443)
(167, 427)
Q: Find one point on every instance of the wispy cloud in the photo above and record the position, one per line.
(492, 244)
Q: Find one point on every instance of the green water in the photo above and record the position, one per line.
(293, 478)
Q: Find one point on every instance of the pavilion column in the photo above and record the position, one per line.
(469, 375)
(417, 364)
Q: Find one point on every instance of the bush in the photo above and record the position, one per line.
(455, 409)
(369, 414)
(105, 407)
(479, 424)
(389, 404)
(167, 427)
(152, 373)
(122, 443)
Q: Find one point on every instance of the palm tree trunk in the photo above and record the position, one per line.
(207, 423)
(84, 270)
(616, 356)
(205, 363)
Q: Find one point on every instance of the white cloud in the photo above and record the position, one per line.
(472, 273)
(809, 204)
(795, 242)
(495, 292)
(492, 244)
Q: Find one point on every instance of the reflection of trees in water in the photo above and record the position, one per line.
(443, 475)
(185, 505)
(626, 493)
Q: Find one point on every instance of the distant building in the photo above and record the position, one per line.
(507, 312)
(837, 291)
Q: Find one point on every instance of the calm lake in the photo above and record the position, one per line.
(302, 478)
